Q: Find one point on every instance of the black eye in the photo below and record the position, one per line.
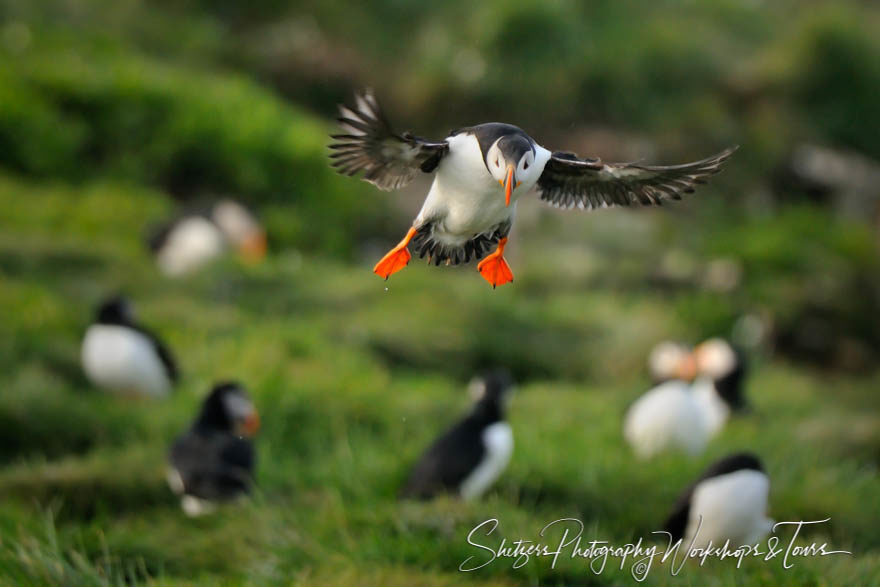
(526, 165)
(496, 162)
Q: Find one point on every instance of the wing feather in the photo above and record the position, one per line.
(570, 182)
(369, 145)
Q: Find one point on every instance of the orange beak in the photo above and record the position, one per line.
(254, 247)
(251, 424)
(508, 185)
(687, 368)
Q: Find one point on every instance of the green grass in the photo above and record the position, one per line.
(354, 377)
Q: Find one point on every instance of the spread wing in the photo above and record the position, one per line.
(569, 182)
(388, 160)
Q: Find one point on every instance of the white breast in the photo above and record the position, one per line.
(498, 442)
(121, 359)
(665, 418)
(190, 244)
(733, 507)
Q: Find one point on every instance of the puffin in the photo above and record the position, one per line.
(686, 411)
(120, 355)
(214, 460)
(203, 233)
(728, 502)
(466, 213)
(470, 456)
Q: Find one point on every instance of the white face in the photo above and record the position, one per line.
(715, 358)
(524, 170)
(240, 409)
(666, 358)
(477, 388)
(235, 222)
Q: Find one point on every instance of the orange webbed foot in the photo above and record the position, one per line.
(494, 268)
(396, 259)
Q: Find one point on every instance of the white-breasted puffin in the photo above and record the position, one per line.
(465, 213)
(686, 411)
(728, 502)
(469, 457)
(120, 355)
(201, 234)
(214, 460)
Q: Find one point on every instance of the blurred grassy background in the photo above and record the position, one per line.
(113, 113)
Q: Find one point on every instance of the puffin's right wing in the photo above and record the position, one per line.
(568, 181)
(388, 160)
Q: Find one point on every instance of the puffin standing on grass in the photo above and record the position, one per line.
(120, 355)
(702, 389)
(465, 213)
(214, 460)
(471, 455)
(727, 502)
(203, 233)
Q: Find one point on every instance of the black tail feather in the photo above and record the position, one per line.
(438, 252)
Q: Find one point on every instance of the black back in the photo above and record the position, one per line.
(730, 386)
(455, 454)
(676, 523)
(212, 461)
(117, 311)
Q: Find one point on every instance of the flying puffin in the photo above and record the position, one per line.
(203, 233)
(214, 460)
(687, 410)
(120, 355)
(727, 502)
(468, 458)
(465, 213)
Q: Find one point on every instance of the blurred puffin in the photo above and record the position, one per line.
(118, 354)
(470, 456)
(727, 502)
(199, 235)
(465, 213)
(678, 414)
(214, 460)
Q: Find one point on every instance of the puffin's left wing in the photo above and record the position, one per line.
(388, 160)
(569, 182)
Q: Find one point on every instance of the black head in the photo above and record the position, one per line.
(228, 408)
(491, 390)
(514, 146)
(508, 153)
(115, 310)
